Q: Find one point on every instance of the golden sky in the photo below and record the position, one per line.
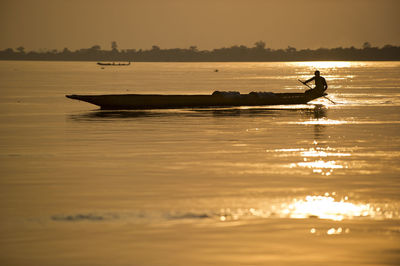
(208, 24)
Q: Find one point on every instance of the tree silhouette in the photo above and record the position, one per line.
(290, 49)
(114, 46)
(366, 45)
(21, 49)
(98, 48)
(260, 45)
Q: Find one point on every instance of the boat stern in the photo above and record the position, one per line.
(72, 96)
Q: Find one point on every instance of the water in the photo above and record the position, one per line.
(309, 184)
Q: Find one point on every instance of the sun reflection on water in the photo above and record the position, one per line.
(320, 152)
(325, 207)
(323, 64)
(322, 121)
(331, 231)
(322, 160)
(319, 166)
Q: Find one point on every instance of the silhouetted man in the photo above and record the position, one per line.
(320, 83)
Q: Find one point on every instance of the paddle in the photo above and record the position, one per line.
(312, 88)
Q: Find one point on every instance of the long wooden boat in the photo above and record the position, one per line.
(217, 99)
(113, 64)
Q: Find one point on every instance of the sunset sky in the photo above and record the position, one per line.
(208, 24)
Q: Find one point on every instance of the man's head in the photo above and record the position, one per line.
(316, 73)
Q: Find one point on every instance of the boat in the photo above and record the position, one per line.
(216, 99)
(113, 64)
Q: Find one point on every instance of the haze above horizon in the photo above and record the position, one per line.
(56, 24)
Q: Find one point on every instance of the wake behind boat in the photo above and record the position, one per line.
(217, 99)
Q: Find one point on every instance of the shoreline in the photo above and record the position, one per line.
(148, 61)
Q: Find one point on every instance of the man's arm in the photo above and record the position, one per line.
(311, 79)
(325, 84)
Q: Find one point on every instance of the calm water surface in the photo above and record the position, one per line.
(307, 185)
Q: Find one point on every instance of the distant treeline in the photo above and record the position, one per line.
(258, 53)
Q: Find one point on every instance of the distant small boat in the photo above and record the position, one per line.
(217, 99)
(113, 64)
